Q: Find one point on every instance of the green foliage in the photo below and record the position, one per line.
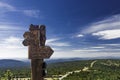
(101, 70)
(8, 75)
(16, 72)
(63, 67)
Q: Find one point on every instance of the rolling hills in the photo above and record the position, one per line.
(77, 69)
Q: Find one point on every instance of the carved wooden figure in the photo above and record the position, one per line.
(42, 35)
(35, 39)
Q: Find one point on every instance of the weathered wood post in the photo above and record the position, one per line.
(35, 39)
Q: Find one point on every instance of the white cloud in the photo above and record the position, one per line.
(10, 27)
(85, 50)
(111, 44)
(59, 44)
(7, 30)
(12, 47)
(12, 53)
(84, 54)
(80, 35)
(108, 34)
(55, 42)
(98, 47)
(51, 40)
(4, 8)
(31, 13)
(109, 23)
(11, 42)
(56, 49)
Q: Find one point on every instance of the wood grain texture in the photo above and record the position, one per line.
(35, 39)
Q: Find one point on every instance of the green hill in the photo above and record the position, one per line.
(98, 69)
(87, 70)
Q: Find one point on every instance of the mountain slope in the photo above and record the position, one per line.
(9, 63)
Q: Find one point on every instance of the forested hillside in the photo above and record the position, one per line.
(103, 69)
(87, 70)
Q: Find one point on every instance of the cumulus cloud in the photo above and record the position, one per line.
(108, 34)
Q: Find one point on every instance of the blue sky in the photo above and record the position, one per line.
(75, 28)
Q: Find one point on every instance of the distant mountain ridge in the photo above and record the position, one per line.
(76, 59)
(63, 60)
(9, 63)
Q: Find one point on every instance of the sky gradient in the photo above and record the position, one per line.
(75, 28)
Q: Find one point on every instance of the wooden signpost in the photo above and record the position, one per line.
(35, 39)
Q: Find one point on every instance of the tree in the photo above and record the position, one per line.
(8, 75)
